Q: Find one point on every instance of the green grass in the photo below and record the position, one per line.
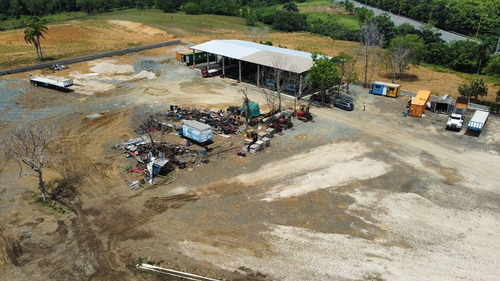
(51, 206)
(178, 24)
(350, 22)
(21, 22)
(315, 3)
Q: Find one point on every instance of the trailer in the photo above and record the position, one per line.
(51, 82)
(200, 56)
(419, 103)
(478, 120)
(197, 131)
(385, 89)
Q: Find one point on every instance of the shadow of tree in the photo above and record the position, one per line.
(405, 78)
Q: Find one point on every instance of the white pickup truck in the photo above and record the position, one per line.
(455, 122)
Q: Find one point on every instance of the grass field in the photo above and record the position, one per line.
(348, 21)
(61, 17)
(177, 24)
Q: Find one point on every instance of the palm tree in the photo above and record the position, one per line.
(32, 35)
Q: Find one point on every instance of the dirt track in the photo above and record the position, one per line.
(353, 196)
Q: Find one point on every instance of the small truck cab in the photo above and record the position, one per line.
(455, 122)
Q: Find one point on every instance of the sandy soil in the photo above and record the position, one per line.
(362, 195)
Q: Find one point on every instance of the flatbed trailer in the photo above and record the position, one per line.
(478, 121)
(51, 82)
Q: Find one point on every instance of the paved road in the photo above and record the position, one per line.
(398, 20)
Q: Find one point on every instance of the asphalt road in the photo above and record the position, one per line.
(398, 20)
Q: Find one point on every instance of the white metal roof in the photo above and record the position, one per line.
(387, 84)
(291, 60)
(197, 125)
(480, 116)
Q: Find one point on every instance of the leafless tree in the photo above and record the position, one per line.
(397, 60)
(259, 34)
(246, 104)
(271, 99)
(350, 72)
(371, 42)
(280, 76)
(142, 121)
(30, 144)
(301, 88)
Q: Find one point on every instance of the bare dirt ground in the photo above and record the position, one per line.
(362, 195)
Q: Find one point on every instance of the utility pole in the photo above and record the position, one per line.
(478, 27)
(399, 11)
(430, 16)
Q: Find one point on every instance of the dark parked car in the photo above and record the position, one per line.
(317, 97)
(345, 105)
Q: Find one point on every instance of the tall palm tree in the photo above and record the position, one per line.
(32, 35)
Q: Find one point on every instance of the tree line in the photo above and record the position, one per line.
(463, 16)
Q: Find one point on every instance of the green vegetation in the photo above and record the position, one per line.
(314, 3)
(462, 16)
(323, 74)
(51, 205)
(191, 8)
(493, 66)
(15, 23)
(475, 88)
(32, 35)
(289, 21)
(178, 24)
(350, 22)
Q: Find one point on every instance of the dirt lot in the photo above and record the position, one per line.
(362, 195)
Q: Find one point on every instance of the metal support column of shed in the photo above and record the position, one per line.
(258, 76)
(300, 85)
(223, 67)
(194, 60)
(261, 55)
(239, 70)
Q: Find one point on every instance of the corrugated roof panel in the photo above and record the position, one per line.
(298, 61)
(223, 48)
(197, 125)
(280, 61)
(263, 47)
(387, 84)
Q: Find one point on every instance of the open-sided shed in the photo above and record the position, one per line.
(293, 61)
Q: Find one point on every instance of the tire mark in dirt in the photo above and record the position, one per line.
(10, 249)
(159, 205)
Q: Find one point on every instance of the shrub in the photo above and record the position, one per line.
(289, 21)
(191, 8)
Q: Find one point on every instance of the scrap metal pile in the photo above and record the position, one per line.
(162, 162)
(220, 122)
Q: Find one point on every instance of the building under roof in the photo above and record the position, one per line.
(275, 57)
(258, 55)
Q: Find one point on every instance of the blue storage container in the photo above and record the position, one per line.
(197, 131)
